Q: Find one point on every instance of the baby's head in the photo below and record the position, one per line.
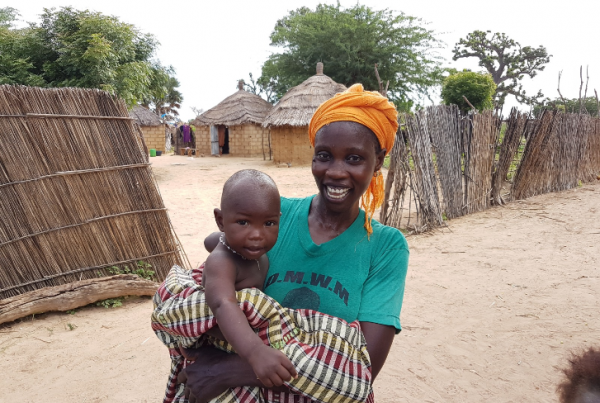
(583, 379)
(250, 212)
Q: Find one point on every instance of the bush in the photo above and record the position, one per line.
(477, 87)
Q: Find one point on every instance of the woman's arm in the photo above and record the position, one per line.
(379, 341)
(214, 371)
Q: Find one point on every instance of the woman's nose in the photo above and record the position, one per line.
(336, 170)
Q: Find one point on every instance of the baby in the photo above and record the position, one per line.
(249, 223)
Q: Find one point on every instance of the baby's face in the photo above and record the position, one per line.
(251, 223)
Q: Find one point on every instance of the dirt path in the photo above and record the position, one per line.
(493, 304)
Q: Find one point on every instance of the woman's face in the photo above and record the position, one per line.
(344, 162)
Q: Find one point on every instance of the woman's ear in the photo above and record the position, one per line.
(379, 158)
(219, 219)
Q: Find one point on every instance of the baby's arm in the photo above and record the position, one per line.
(271, 366)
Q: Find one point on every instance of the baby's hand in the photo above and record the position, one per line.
(272, 367)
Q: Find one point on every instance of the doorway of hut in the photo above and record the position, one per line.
(223, 139)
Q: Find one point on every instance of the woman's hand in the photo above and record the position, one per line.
(271, 366)
(213, 373)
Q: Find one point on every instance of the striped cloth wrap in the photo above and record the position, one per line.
(329, 354)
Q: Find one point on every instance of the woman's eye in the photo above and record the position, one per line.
(322, 156)
(242, 222)
(354, 158)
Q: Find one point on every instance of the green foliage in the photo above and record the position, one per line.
(8, 16)
(506, 61)
(477, 87)
(163, 97)
(73, 48)
(71, 312)
(111, 302)
(589, 105)
(71, 326)
(350, 42)
(141, 269)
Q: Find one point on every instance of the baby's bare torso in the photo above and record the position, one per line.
(249, 273)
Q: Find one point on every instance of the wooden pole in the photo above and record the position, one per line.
(73, 295)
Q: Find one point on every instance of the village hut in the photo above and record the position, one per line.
(289, 119)
(153, 129)
(236, 124)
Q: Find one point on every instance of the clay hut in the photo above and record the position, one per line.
(153, 128)
(289, 119)
(236, 126)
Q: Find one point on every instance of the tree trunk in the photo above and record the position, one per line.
(73, 295)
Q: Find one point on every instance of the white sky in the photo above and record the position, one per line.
(212, 44)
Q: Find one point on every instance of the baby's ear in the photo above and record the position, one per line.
(219, 219)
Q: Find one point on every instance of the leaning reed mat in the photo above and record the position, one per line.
(77, 195)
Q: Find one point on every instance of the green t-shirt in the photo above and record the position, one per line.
(349, 277)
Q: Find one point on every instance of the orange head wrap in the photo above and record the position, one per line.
(370, 109)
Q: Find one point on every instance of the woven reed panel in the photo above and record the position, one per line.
(77, 195)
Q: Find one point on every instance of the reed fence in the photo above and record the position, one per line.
(445, 165)
(77, 195)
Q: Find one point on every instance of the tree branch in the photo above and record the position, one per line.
(558, 89)
(470, 104)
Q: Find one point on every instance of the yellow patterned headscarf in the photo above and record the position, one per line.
(370, 109)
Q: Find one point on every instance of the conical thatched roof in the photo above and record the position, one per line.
(299, 104)
(237, 109)
(144, 117)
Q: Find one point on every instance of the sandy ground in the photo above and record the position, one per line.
(493, 305)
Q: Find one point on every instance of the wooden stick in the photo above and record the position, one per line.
(558, 89)
(471, 105)
(52, 116)
(83, 171)
(81, 223)
(87, 269)
(74, 295)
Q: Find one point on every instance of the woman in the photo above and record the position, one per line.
(330, 255)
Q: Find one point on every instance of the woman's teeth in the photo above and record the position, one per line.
(337, 193)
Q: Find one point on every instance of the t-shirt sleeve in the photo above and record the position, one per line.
(383, 290)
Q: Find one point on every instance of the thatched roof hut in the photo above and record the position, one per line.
(237, 122)
(289, 119)
(144, 116)
(152, 127)
(240, 108)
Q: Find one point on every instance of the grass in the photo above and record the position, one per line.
(141, 269)
(111, 302)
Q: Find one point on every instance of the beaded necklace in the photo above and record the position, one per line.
(222, 240)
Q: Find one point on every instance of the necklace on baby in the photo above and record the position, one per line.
(222, 240)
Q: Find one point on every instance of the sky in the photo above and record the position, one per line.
(212, 44)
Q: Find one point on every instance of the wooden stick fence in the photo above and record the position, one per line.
(560, 152)
(428, 204)
(445, 129)
(77, 193)
(515, 131)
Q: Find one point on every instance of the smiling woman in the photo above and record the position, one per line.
(330, 257)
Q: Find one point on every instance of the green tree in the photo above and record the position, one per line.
(163, 97)
(478, 88)
(73, 48)
(8, 16)
(350, 42)
(507, 62)
(590, 106)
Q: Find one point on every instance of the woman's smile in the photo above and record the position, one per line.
(335, 193)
